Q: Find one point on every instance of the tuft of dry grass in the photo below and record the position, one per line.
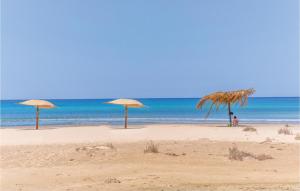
(151, 148)
(236, 154)
(251, 129)
(112, 180)
(285, 131)
(297, 137)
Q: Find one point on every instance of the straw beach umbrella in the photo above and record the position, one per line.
(38, 104)
(226, 98)
(127, 103)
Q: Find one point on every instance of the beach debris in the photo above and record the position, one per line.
(297, 137)
(174, 154)
(285, 131)
(151, 147)
(111, 180)
(236, 154)
(261, 157)
(108, 146)
(251, 129)
(95, 150)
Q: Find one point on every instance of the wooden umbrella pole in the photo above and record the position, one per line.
(37, 118)
(126, 116)
(229, 113)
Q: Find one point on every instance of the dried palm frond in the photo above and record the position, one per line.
(225, 98)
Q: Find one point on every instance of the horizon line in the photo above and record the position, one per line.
(142, 98)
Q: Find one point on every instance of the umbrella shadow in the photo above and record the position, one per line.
(33, 128)
(233, 126)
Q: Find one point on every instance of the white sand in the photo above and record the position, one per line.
(89, 134)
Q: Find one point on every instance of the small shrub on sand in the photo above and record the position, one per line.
(251, 129)
(151, 148)
(297, 137)
(285, 131)
(236, 154)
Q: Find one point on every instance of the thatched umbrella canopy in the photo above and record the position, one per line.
(126, 103)
(226, 98)
(38, 104)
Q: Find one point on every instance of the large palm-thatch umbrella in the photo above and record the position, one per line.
(38, 104)
(126, 103)
(226, 98)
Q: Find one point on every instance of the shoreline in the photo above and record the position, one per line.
(242, 124)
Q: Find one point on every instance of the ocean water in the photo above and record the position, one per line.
(164, 110)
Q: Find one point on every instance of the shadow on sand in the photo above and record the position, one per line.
(128, 128)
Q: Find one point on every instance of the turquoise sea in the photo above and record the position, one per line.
(158, 110)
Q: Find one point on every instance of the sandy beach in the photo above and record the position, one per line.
(190, 157)
(157, 132)
(209, 91)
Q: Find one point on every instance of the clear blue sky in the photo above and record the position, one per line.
(155, 48)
